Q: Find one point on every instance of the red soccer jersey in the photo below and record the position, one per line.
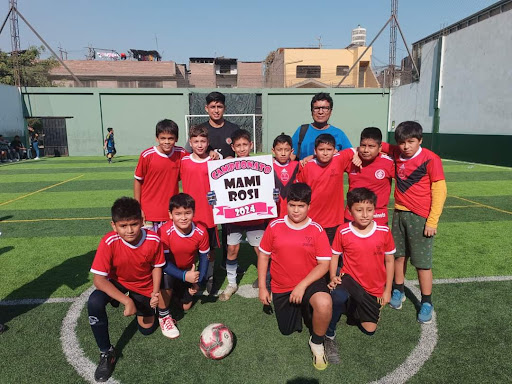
(284, 175)
(326, 181)
(159, 174)
(414, 178)
(364, 255)
(294, 252)
(375, 176)
(195, 182)
(182, 248)
(130, 265)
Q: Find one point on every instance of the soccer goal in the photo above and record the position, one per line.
(248, 121)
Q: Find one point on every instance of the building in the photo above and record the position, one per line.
(223, 72)
(319, 67)
(121, 74)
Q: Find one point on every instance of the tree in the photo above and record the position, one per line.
(33, 70)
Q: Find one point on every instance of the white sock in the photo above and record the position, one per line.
(317, 349)
(231, 272)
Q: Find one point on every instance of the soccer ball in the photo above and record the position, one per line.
(216, 341)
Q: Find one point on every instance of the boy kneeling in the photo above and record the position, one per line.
(366, 276)
(129, 260)
(300, 254)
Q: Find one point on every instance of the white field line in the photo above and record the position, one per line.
(483, 165)
(248, 292)
(70, 344)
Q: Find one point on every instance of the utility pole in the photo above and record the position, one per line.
(15, 43)
(392, 41)
(63, 53)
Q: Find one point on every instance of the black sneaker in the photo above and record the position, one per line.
(106, 365)
(331, 351)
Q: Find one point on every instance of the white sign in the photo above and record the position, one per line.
(243, 188)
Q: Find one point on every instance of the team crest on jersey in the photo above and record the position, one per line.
(228, 140)
(401, 172)
(285, 176)
(309, 241)
(380, 174)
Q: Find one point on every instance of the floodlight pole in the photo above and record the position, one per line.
(5, 21)
(362, 54)
(406, 46)
(47, 46)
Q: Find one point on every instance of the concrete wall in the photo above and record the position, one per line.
(12, 122)
(133, 113)
(475, 92)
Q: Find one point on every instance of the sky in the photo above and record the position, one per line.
(246, 30)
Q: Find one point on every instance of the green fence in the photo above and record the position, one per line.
(133, 113)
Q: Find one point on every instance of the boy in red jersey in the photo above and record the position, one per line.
(366, 276)
(253, 229)
(195, 182)
(285, 170)
(420, 193)
(376, 172)
(300, 255)
(157, 174)
(324, 174)
(128, 260)
(182, 240)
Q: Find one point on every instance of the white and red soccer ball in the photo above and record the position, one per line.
(216, 341)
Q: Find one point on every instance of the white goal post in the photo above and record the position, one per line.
(253, 115)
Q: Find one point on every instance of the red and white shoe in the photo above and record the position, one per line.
(168, 326)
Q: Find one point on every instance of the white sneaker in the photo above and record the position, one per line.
(319, 358)
(228, 292)
(168, 326)
(36, 158)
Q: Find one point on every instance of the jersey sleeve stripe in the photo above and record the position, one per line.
(324, 257)
(138, 177)
(275, 222)
(159, 265)
(336, 252)
(390, 252)
(205, 251)
(318, 226)
(96, 272)
(265, 252)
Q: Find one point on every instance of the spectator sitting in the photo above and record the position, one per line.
(17, 148)
(5, 150)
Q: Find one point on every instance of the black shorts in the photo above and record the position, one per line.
(331, 232)
(213, 234)
(179, 288)
(289, 316)
(141, 302)
(361, 305)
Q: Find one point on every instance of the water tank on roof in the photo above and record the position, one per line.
(359, 36)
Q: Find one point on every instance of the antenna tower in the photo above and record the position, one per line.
(392, 39)
(15, 43)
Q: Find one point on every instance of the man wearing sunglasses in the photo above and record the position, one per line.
(304, 137)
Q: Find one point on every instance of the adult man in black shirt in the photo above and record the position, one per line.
(219, 130)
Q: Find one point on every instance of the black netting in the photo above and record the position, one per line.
(236, 103)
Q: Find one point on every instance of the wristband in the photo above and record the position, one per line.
(184, 273)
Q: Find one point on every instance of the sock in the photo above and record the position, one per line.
(231, 266)
(163, 312)
(98, 319)
(315, 339)
(330, 337)
(400, 287)
(426, 298)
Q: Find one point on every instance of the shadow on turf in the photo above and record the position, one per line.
(3, 218)
(73, 273)
(303, 380)
(6, 249)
